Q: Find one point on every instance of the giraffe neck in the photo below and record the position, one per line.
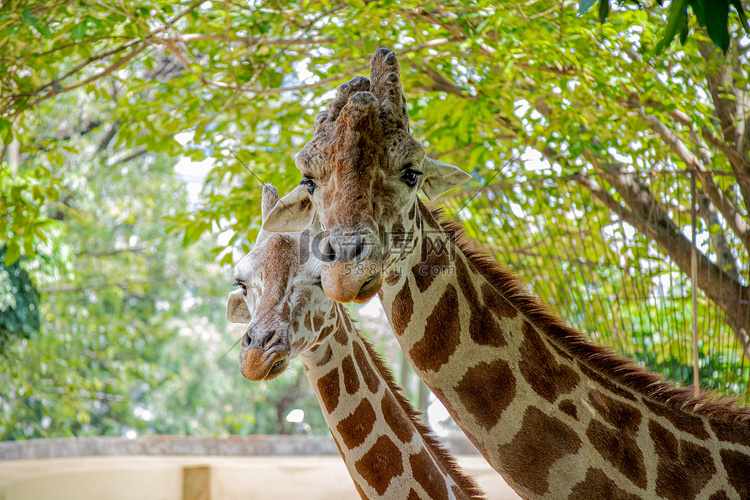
(557, 416)
(388, 452)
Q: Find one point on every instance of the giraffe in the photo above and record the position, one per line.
(388, 452)
(557, 416)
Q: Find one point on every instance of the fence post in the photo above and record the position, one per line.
(694, 283)
(196, 483)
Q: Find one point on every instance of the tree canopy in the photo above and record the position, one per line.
(98, 102)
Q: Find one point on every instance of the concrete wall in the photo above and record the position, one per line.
(190, 468)
(188, 445)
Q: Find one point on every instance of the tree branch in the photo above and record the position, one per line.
(649, 218)
(734, 219)
(251, 41)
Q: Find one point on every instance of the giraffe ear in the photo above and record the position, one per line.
(439, 177)
(237, 311)
(293, 213)
(268, 199)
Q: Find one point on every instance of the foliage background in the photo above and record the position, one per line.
(100, 103)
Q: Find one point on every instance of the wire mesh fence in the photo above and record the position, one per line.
(618, 283)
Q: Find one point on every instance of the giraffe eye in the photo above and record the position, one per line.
(411, 177)
(242, 286)
(309, 183)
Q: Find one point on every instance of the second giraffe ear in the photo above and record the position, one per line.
(440, 177)
(293, 213)
(237, 311)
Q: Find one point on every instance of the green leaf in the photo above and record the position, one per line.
(78, 31)
(685, 31)
(677, 11)
(603, 10)
(28, 18)
(717, 18)
(585, 5)
(13, 253)
(699, 9)
(5, 126)
(741, 13)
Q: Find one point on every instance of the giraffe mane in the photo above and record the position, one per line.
(598, 358)
(442, 456)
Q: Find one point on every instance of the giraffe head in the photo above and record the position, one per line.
(280, 298)
(361, 174)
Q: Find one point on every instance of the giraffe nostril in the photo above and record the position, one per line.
(246, 339)
(329, 254)
(359, 250)
(270, 339)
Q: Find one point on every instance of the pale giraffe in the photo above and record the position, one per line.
(557, 416)
(387, 451)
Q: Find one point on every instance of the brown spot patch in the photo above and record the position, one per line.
(541, 442)
(308, 323)
(412, 495)
(351, 378)
(318, 320)
(494, 301)
(360, 491)
(327, 355)
(731, 433)
(484, 329)
(380, 464)
(737, 465)
(425, 272)
(370, 376)
(606, 383)
(392, 278)
(342, 335)
(403, 307)
(298, 343)
(619, 449)
(394, 415)
(622, 416)
(719, 495)
(355, 428)
(429, 475)
(413, 211)
(598, 485)
(442, 334)
(486, 391)
(569, 408)
(428, 218)
(463, 277)
(683, 468)
(328, 387)
(325, 332)
(682, 420)
(538, 365)
(347, 320)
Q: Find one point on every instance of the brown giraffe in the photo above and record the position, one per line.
(557, 416)
(388, 452)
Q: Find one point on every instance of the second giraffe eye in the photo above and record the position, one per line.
(309, 183)
(242, 286)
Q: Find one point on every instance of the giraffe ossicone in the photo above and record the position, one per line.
(557, 416)
(388, 452)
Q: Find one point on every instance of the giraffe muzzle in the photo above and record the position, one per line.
(264, 355)
(260, 364)
(351, 265)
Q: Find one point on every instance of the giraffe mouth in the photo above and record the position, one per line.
(369, 288)
(261, 364)
(277, 368)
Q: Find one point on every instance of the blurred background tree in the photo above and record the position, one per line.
(134, 137)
